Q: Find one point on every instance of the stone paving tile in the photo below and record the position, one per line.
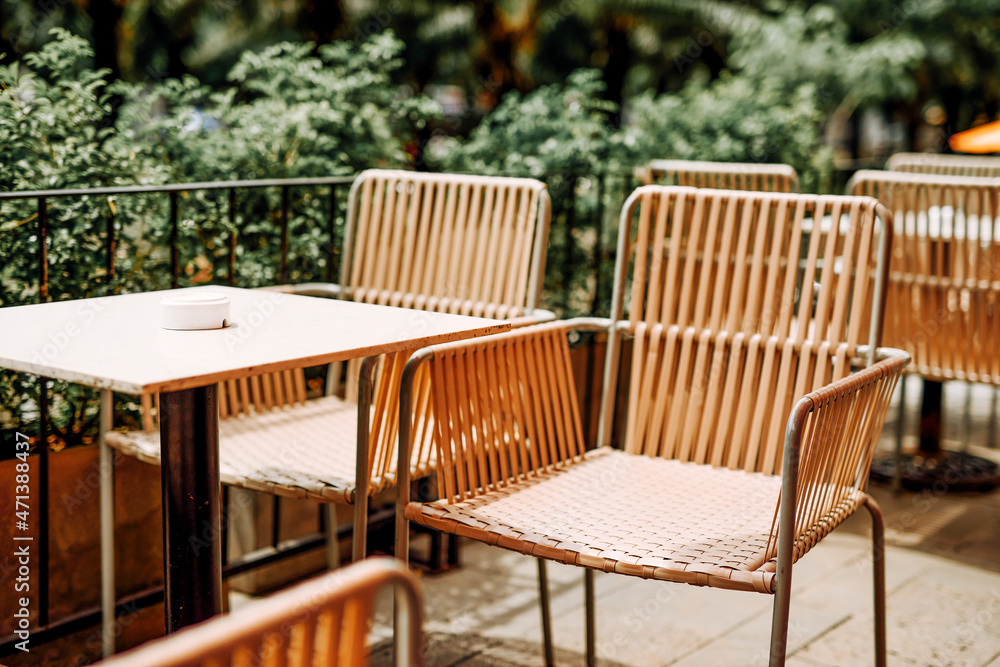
(936, 613)
(648, 622)
(749, 643)
(796, 661)
(444, 650)
(946, 615)
(941, 611)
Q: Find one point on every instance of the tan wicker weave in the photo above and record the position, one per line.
(471, 245)
(431, 242)
(740, 370)
(321, 623)
(943, 302)
(977, 166)
(721, 175)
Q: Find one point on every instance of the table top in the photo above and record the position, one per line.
(116, 342)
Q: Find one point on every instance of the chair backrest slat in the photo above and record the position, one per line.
(740, 304)
(977, 166)
(469, 245)
(944, 287)
(505, 410)
(721, 175)
(454, 238)
(244, 396)
(324, 622)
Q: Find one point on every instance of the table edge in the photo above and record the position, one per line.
(214, 378)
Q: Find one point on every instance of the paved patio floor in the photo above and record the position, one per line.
(943, 572)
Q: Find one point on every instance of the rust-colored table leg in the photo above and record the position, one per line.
(192, 547)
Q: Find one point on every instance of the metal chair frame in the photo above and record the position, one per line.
(804, 421)
(396, 219)
(323, 622)
(721, 175)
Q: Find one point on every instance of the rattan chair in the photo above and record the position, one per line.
(321, 623)
(977, 166)
(720, 175)
(452, 243)
(943, 304)
(746, 438)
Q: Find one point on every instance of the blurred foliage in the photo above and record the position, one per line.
(288, 113)
(556, 128)
(561, 135)
(576, 94)
(735, 119)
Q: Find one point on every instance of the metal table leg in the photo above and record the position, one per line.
(932, 467)
(189, 440)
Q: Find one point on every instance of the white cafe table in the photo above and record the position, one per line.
(116, 344)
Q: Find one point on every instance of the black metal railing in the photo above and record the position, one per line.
(578, 281)
(41, 237)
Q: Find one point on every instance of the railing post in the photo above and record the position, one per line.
(110, 241)
(567, 260)
(598, 256)
(331, 229)
(43, 426)
(232, 237)
(43, 253)
(174, 259)
(283, 270)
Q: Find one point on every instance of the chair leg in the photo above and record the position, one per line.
(543, 599)
(878, 574)
(332, 536)
(991, 433)
(588, 593)
(967, 421)
(779, 622)
(106, 466)
(897, 475)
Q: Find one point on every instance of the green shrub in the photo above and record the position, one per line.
(563, 136)
(288, 113)
(734, 120)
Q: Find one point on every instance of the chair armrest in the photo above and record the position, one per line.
(502, 408)
(489, 396)
(537, 316)
(348, 594)
(328, 290)
(829, 443)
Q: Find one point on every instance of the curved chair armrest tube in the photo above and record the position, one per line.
(890, 365)
(328, 290)
(406, 402)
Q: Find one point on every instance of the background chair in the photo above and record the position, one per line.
(721, 175)
(746, 440)
(944, 285)
(442, 242)
(978, 166)
(321, 623)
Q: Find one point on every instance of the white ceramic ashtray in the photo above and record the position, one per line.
(194, 311)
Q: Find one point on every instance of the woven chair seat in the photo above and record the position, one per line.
(301, 451)
(667, 520)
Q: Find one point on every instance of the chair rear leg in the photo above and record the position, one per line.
(878, 574)
(991, 434)
(543, 600)
(897, 475)
(332, 536)
(106, 463)
(779, 622)
(588, 592)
